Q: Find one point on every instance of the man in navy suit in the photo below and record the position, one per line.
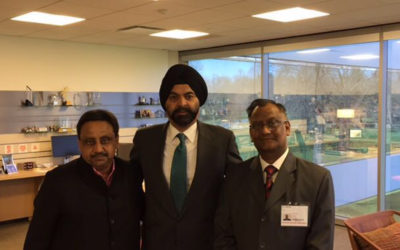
(275, 200)
(184, 222)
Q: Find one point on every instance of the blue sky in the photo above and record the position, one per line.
(210, 68)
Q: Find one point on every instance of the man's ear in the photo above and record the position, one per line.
(117, 147)
(288, 128)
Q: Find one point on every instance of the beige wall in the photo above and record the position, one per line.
(47, 65)
(53, 65)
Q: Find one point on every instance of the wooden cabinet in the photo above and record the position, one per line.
(17, 193)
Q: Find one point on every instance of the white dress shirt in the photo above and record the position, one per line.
(277, 164)
(171, 142)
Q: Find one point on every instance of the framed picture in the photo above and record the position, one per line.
(8, 164)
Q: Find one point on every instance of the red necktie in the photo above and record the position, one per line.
(270, 170)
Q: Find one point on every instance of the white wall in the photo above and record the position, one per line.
(53, 65)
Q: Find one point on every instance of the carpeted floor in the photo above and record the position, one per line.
(12, 235)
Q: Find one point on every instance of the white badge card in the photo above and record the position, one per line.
(294, 215)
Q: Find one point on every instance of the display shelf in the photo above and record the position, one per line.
(148, 118)
(139, 105)
(58, 106)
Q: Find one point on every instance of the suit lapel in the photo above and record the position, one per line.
(256, 182)
(159, 181)
(202, 168)
(283, 182)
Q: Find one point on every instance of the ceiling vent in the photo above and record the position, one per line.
(144, 30)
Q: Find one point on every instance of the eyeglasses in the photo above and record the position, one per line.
(271, 125)
(104, 141)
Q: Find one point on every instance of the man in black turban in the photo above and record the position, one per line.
(183, 163)
(179, 74)
(187, 79)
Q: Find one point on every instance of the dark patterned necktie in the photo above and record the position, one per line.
(178, 173)
(270, 170)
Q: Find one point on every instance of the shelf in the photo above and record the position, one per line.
(59, 106)
(144, 118)
(138, 105)
(68, 131)
(50, 106)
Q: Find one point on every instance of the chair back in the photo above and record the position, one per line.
(358, 225)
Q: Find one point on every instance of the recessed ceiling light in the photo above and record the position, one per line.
(291, 14)
(179, 34)
(312, 51)
(45, 18)
(360, 57)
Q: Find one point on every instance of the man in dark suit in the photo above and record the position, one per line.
(180, 199)
(275, 201)
(93, 202)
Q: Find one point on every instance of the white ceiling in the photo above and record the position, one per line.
(227, 21)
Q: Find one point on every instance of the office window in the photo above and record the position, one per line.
(331, 95)
(331, 86)
(232, 83)
(392, 190)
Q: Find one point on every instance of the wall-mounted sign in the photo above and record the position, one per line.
(22, 148)
(8, 149)
(35, 147)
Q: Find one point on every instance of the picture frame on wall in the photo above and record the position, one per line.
(8, 164)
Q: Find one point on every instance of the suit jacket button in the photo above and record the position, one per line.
(262, 219)
(262, 245)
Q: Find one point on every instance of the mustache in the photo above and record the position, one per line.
(99, 154)
(181, 109)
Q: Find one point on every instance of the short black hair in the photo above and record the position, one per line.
(98, 115)
(263, 102)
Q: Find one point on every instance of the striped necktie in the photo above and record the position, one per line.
(270, 171)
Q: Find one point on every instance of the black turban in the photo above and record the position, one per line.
(183, 74)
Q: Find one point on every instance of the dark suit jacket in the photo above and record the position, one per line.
(164, 227)
(74, 209)
(245, 221)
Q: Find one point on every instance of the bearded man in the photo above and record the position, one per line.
(183, 163)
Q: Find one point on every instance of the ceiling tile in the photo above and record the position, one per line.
(25, 4)
(110, 4)
(118, 21)
(343, 6)
(227, 21)
(75, 9)
(9, 27)
(64, 33)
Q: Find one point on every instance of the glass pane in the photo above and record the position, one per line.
(331, 95)
(232, 84)
(393, 128)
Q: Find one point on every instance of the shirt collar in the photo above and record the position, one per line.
(278, 163)
(190, 133)
(107, 178)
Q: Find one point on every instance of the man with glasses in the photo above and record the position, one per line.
(275, 200)
(93, 202)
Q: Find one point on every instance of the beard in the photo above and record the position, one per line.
(183, 120)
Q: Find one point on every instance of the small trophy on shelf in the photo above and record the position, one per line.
(28, 97)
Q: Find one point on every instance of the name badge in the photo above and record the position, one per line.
(294, 215)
